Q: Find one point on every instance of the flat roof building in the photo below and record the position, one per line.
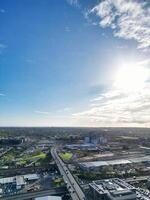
(87, 147)
(112, 189)
(20, 182)
(49, 198)
(31, 177)
(98, 164)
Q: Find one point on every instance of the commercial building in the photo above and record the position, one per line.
(95, 140)
(112, 189)
(13, 184)
(116, 189)
(87, 140)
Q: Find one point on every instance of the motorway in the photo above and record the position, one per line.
(73, 187)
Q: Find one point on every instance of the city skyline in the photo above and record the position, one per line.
(75, 63)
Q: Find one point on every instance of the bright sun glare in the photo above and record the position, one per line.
(131, 78)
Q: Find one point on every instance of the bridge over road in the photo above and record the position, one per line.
(73, 187)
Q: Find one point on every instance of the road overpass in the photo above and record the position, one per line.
(73, 187)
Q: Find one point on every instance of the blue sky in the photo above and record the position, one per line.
(56, 57)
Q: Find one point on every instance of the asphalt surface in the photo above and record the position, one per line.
(34, 194)
(73, 187)
(138, 178)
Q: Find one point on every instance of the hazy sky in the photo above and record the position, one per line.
(75, 63)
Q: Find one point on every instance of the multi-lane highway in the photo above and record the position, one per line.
(73, 187)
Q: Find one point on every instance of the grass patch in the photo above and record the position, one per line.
(66, 156)
(40, 155)
(27, 158)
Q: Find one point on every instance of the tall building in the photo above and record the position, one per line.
(87, 140)
(94, 139)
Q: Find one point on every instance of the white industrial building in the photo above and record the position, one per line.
(96, 165)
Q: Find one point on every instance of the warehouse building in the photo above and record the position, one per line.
(97, 165)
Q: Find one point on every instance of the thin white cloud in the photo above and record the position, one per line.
(145, 62)
(118, 107)
(30, 61)
(73, 2)
(60, 111)
(41, 112)
(3, 46)
(67, 29)
(126, 111)
(2, 94)
(129, 19)
(2, 10)
(66, 109)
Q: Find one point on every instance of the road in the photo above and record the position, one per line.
(136, 179)
(34, 194)
(24, 170)
(73, 187)
(3, 153)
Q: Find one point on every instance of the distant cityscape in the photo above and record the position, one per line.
(75, 163)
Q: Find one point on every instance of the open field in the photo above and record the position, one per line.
(66, 156)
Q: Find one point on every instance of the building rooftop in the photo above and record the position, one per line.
(118, 189)
(114, 189)
(20, 180)
(31, 176)
(48, 198)
(7, 180)
(115, 185)
(115, 162)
